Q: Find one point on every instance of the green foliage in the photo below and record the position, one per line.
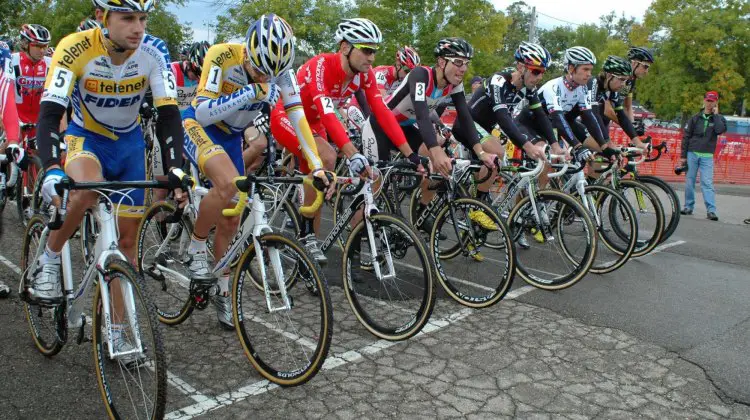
(62, 17)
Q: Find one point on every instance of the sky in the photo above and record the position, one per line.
(551, 12)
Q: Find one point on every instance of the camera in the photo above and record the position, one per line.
(678, 170)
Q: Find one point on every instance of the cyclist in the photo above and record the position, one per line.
(87, 24)
(566, 98)
(389, 77)
(641, 59)
(104, 139)
(239, 79)
(8, 117)
(607, 99)
(30, 67)
(413, 103)
(188, 73)
(326, 81)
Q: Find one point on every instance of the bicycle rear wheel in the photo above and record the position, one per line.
(563, 243)
(648, 211)
(132, 386)
(286, 345)
(25, 185)
(47, 323)
(670, 202)
(397, 305)
(162, 246)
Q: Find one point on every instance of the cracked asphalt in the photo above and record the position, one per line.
(666, 336)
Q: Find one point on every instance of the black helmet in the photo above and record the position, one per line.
(196, 55)
(640, 54)
(454, 47)
(617, 66)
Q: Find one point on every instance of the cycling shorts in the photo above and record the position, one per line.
(123, 159)
(202, 143)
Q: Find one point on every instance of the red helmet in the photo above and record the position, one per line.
(407, 56)
(36, 34)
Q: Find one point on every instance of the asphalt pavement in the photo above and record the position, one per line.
(666, 336)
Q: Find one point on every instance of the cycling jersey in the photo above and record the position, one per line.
(498, 101)
(186, 88)
(599, 95)
(325, 86)
(8, 111)
(225, 105)
(628, 89)
(413, 104)
(564, 101)
(106, 98)
(29, 85)
(386, 78)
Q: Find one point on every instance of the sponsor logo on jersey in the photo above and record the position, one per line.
(30, 82)
(110, 87)
(159, 45)
(74, 51)
(115, 102)
(225, 55)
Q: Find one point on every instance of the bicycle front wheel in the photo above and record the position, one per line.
(561, 237)
(286, 342)
(47, 323)
(25, 197)
(670, 203)
(606, 207)
(472, 272)
(648, 211)
(397, 303)
(132, 379)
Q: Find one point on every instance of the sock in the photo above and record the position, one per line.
(48, 255)
(197, 244)
(307, 227)
(223, 284)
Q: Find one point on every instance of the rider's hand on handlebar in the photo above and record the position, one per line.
(556, 149)
(177, 179)
(324, 177)
(489, 159)
(441, 163)
(534, 151)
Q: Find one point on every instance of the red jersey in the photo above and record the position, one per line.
(385, 76)
(325, 86)
(30, 78)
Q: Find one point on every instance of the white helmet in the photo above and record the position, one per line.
(358, 31)
(125, 5)
(269, 45)
(577, 56)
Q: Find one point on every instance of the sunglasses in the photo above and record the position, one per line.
(622, 78)
(458, 62)
(367, 49)
(536, 71)
(38, 45)
(645, 65)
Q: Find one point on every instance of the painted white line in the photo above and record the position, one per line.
(10, 265)
(451, 278)
(662, 247)
(515, 293)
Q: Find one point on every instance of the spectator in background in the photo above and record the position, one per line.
(698, 146)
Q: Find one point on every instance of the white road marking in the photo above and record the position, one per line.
(10, 265)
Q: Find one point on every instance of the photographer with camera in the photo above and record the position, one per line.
(698, 145)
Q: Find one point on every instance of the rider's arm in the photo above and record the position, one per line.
(47, 134)
(588, 118)
(8, 109)
(362, 103)
(418, 81)
(210, 107)
(541, 120)
(628, 106)
(169, 130)
(563, 128)
(290, 96)
(468, 132)
(623, 120)
(383, 115)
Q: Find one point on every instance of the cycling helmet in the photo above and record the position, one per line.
(454, 47)
(640, 54)
(617, 66)
(125, 5)
(407, 56)
(196, 55)
(269, 45)
(358, 31)
(37, 34)
(8, 41)
(50, 51)
(533, 55)
(87, 24)
(577, 56)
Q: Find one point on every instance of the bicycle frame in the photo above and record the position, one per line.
(105, 248)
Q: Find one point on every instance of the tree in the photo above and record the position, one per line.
(617, 27)
(62, 17)
(701, 45)
(519, 14)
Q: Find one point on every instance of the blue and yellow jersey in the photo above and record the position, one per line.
(106, 98)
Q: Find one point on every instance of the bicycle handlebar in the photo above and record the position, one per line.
(244, 183)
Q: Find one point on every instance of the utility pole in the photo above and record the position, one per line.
(532, 25)
(208, 27)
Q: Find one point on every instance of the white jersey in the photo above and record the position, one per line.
(557, 97)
